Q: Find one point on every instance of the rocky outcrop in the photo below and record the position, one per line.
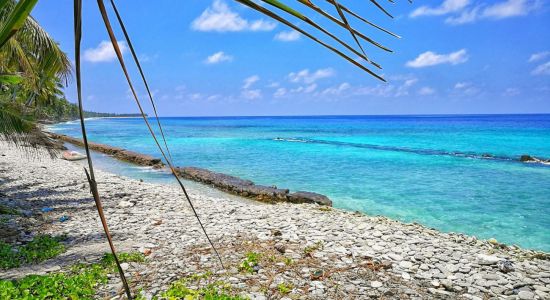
(309, 197)
(247, 188)
(119, 153)
(530, 159)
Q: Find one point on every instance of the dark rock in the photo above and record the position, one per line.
(309, 197)
(280, 247)
(234, 185)
(505, 266)
(527, 158)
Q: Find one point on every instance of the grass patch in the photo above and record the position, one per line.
(250, 262)
(78, 283)
(6, 210)
(310, 249)
(203, 287)
(284, 288)
(41, 248)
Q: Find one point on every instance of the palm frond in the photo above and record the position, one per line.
(316, 32)
(22, 132)
(15, 19)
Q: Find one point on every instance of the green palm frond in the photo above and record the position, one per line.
(15, 19)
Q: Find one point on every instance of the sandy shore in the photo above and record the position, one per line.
(335, 254)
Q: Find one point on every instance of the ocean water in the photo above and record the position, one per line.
(425, 169)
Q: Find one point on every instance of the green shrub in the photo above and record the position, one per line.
(41, 248)
(250, 261)
(79, 283)
(218, 290)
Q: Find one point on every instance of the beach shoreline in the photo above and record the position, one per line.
(421, 262)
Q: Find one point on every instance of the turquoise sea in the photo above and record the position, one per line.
(426, 169)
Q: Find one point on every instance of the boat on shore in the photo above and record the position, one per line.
(73, 156)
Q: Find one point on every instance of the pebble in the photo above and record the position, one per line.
(376, 284)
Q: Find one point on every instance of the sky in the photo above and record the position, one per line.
(220, 58)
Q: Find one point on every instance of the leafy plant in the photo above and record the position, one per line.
(6, 210)
(284, 288)
(312, 248)
(80, 282)
(41, 248)
(249, 263)
(217, 290)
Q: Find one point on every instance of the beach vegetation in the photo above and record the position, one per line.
(6, 210)
(80, 282)
(250, 263)
(41, 248)
(200, 286)
(284, 288)
(308, 250)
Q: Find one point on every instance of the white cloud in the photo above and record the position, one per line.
(249, 81)
(509, 8)
(389, 90)
(461, 85)
(218, 57)
(465, 11)
(104, 52)
(448, 6)
(543, 69)
(251, 94)
(510, 92)
(280, 92)
(426, 91)
(539, 56)
(430, 58)
(336, 90)
(308, 77)
(288, 36)
(219, 17)
(465, 89)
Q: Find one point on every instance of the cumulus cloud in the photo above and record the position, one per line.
(430, 58)
(249, 81)
(219, 17)
(510, 92)
(218, 57)
(288, 36)
(251, 94)
(308, 77)
(448, 6)
(543, 69)
(336, 90)
(465, 11)
(426, 91)
(104, 52)
(539, 56)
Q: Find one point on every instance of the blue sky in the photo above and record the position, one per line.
(217, 57)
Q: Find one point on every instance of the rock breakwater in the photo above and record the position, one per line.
(224, 182)
(119, 153)
(247, 188)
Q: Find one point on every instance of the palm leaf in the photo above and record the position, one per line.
(342, 21)
(16, 19)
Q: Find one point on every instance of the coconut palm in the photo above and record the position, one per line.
(32, 69)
